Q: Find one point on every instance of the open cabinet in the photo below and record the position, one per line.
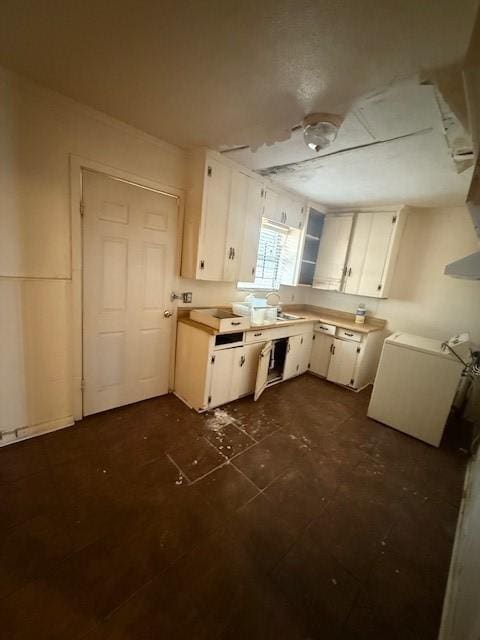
(212, 369)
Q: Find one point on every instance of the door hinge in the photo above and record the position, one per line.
(213, 359)
(209, 399)
(202, 264)
(82, 385)
(379, 287)
(209, 172)
(82, 208)
(313, 337)
(358, 349)
(394, 219)
(308, 366)
(352, 380)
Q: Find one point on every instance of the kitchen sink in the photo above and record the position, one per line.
(287, 317)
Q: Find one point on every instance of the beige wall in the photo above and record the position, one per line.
(422, 299)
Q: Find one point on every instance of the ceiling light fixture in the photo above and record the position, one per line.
(320, 130)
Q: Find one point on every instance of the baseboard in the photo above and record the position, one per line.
(24, 433)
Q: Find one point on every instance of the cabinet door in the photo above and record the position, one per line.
(321, 352)
(294, 356)
(211, 254)
(251, 232)
(376, 254)
(305, 351)
(245, 368)
(294, 213)
(332, 252)
(222, 376)
(235, 225)
(342, 362)
(357, 252)
(262, 369)
(271, 206)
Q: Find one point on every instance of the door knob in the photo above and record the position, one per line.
(167, 314)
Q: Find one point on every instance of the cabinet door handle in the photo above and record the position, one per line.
(253, 271)
(242, 361)
(257, 334)
(233, 253)
(202, 264)
(349, 271)
(235, 324)
(349, 334)
(332, 348)
(288, 346)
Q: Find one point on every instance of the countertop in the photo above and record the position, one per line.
(309, 314)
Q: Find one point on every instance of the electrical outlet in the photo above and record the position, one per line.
(187, 296)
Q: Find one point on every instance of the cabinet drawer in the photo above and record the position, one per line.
(261, 335)
(346, 334)
(325, 328)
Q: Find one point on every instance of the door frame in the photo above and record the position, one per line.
(77, 165)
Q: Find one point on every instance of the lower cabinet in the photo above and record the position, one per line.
(233, 373)
(343, 362)
(321, 353)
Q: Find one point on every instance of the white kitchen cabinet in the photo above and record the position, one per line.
(224, 376)
(212, 369)
(237, 208)
(332, 252)
(222, 199)
(251, 232)
(298, 355)
(343, 361)
(271, 205)
(321, 352)
(246, 369)
(373, 252)
(292, 211)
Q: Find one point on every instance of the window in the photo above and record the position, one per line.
(276, 257)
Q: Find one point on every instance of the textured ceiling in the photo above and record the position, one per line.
(224, 72)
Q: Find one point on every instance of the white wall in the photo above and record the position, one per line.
(461, 613)
(422, 299)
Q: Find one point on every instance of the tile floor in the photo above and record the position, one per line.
(293, 518)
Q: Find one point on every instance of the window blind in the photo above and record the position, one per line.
(269, 257)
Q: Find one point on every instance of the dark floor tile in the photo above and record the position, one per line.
(28, 550)
(353, 532)
(66, 445)
(196, 458)
(268, 459)
(21, 459)
(226, 488)
(27, 498)
(262, 533)
(321, 590)
(258, 419)
(41, 611)
(296, 498)
(397, 596)
(229, 440)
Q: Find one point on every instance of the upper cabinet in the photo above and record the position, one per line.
(222, 220)
(373, 252)
(332, 251)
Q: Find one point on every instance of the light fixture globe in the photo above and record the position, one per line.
(320, 130)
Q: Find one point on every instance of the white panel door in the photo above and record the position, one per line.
(129, 244)
(321, 352)
(332, 252)
(213, 234)
(237, 212)
(251, 232)
(376, 254)
(342, 362)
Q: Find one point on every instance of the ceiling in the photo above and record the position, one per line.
(396, 145)
(224, 73)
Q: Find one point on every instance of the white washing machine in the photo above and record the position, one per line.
(415, 385)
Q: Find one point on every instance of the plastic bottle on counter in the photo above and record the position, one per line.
(360, 314)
